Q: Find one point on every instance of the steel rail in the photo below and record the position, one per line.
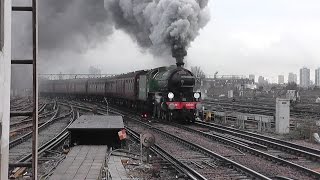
(253, 151)
(237, 166)
(48, 145)
(26, 120)
(266, 155)
(29, 134)
(54, 142)
(311, 153)
(191, 173)
(25, 113)
(271, 109)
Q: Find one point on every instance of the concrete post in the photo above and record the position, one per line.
(269, 126)
(260, 125)
(5, 80)
(282, 115)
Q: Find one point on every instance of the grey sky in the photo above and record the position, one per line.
(261, 37)
(243, 36)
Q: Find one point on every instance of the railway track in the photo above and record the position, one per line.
(308, 152)
(20, 104)
(207, 163)
(20, 127)
(20, 149)
(240, 150)
(255, 155)
(182, 168)
(301, 166)
(196, 160)
(255, 109)
(186, 162)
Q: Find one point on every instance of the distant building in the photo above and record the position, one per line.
(252, 77)
(292, 78)
(223, 85)
(261, 80)
(317, 77)
(281, 79)
(304, 77)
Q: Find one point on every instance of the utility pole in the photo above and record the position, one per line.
(105, 99)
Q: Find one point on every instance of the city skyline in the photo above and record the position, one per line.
(296, 76)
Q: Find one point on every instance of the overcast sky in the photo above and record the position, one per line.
(243, 37)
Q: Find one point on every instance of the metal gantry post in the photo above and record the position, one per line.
(33, 62)
(35, 89)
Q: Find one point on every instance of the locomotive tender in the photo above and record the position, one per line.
(165, 92)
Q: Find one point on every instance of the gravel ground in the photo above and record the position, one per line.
(50, 160)
(156, 170)
(27, 127)
(306, 143)
(46, 134)
(253, 162)
(189, 156)
(275, 152)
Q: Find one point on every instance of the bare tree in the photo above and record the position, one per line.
(197, 72)
(199, 75)
(94, 70)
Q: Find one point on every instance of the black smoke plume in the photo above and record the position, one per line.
(162, 26)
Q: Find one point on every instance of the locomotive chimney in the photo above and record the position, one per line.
(178, 52)
(179, 63)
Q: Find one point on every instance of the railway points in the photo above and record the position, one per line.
(199, 158)
(263, 154)
(254, 143)
(51, 133)
(115, 160)
(236, 148)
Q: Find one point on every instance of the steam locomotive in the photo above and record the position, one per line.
(164, 92)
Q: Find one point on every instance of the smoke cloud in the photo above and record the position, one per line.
(73, 24)
(162, 26)
(64, 25)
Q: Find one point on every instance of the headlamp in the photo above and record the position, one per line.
(196, 95)
(170, 95)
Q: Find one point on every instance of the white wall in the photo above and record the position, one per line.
(5, 73)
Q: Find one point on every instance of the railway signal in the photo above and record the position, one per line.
(122, 134)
